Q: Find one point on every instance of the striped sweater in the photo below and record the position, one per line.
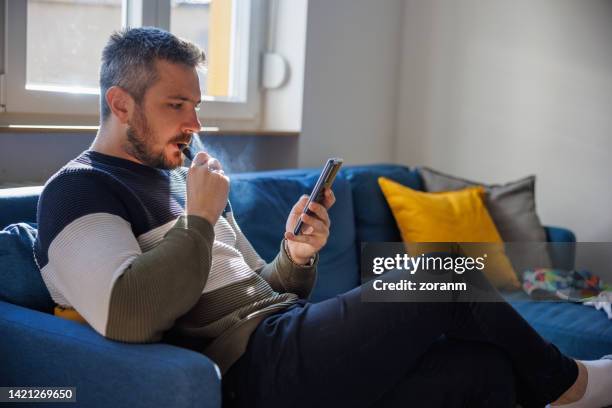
(114, 243)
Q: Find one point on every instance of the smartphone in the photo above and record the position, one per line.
(326, 178)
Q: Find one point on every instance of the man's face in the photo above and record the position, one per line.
(166, 117)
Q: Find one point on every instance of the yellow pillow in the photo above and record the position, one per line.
(453, 216)
(68, 313)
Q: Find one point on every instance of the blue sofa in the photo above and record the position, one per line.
(39, 349)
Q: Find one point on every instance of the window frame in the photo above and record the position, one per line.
(21, 102)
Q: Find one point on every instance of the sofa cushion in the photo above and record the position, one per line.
(22, 283)
(373, 218)
(579, 331)
(262, 202)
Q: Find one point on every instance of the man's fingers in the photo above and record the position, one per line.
(209, 162)
(299, 206)
(200, 159)
(214, 164)
(329, 198)
(315, 223)
(306, 239)
(320, 212)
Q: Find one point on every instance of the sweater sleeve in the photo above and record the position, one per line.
(90, 258)
(161, 284)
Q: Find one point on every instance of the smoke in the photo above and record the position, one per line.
(234, 157)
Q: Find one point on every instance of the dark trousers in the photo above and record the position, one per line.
(343, 352)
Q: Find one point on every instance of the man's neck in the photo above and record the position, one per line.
(108, 141)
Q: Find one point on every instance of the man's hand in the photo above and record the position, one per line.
(207, 188)
(315, 228)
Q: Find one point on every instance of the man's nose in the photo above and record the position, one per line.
(192, 124)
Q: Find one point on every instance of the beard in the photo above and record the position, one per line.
(140, 143)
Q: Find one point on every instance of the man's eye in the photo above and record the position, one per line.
(176, 106)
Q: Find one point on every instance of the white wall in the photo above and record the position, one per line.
(495, 90)
(350, 87)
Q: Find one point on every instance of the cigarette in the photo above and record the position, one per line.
(187, 151)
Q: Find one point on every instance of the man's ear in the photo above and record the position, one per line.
(120, 103)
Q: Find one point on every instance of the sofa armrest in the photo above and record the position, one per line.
(18, 204)
(561, 247)
(38, 349)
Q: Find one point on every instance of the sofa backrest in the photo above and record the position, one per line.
(262, 200)
(261, 203)
(374, 221)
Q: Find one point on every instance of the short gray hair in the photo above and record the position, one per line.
(128, 60)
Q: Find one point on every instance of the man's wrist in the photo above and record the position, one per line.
(297, 260)
(205, 215)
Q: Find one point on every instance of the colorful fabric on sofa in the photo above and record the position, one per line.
(549, 283)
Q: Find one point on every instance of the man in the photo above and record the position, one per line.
(143, 249)
(110, 255)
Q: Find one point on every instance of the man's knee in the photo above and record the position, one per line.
(480, 372)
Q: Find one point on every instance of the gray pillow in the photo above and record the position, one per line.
(512, 208)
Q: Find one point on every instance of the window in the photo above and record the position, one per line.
(53, 50)
(218, 27)
(64, 57)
